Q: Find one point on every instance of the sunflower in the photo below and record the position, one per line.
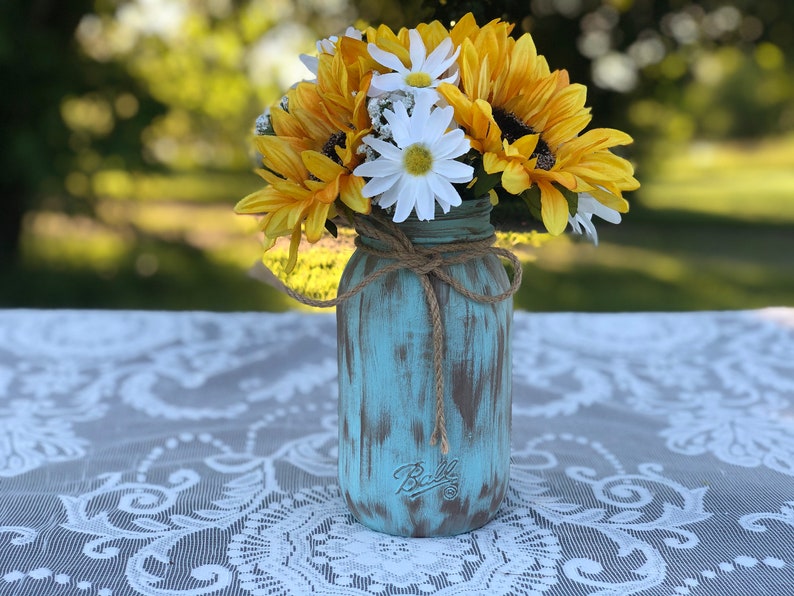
(309, 160)
(526, 122)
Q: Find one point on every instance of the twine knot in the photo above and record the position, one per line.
(424, 261)
(429, 263)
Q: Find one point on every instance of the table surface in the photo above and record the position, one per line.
(195, 453)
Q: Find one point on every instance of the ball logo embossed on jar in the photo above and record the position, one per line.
(415, 480)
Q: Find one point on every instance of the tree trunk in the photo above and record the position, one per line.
(10, 224)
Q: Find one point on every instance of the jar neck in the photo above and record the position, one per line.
(469, 221)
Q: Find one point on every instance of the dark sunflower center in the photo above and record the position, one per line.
(337, 139)
(513, 128)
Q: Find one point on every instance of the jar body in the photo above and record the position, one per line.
(390, 475)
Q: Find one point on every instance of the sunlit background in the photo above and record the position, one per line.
(127, 127)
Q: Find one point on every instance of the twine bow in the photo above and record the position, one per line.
(424, 261)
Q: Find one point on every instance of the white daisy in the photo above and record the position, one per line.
(425, 72)
(588, 207)
(418, 169)
(327, 46)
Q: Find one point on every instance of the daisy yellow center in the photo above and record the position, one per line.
(417, 160)
(418, 79)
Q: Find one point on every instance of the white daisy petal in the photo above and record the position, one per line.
(312, 63)
(385, 58)
(386, 150)
(398, 111)
(416, 50)
(452, 145)
(436, 125)
(379, 167)
(451, 79)
(589, 204)
(405, 199)
(440, 60)
(386, 83)
(387, 199)
(398, 194)
(454, 171)
(445, 193)
(576, 228)
(379, 185)
(425, 199)
(589, 230)
(420, 117)
(396, 119)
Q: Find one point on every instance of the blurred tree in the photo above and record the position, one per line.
(665, 70)
(215, 65)
(64, 114)
(104, 87)
(37, 70)
(174, 84)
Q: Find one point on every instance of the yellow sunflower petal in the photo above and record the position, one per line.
(294, 243)
(559, 132)
(553, 209)
(433, 34)
(458, 100)
(268, 243)
(254, 203)
(284, 124)
(471, 72)
(268, 199)
(515, 178)
(284, 220)
(563, 178)
(329, 192)
(604, 138)
(387, 40)
(315, 221)
(466, 27)
(523, 63)
(321, 166)
(350, 193)
(280, 157)
(606, 198)
(484, 130)
(493, 163)
(526, 145)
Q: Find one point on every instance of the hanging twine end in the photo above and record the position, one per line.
(444, 442)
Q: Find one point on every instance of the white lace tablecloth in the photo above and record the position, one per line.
(195, 453)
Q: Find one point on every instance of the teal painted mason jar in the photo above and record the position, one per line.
(391, 476)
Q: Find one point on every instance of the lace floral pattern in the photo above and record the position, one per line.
(195, 453)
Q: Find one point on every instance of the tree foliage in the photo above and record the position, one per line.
(666, 70)
(64, 114)
(118, 85)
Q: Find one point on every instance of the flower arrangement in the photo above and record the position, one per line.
(408, 121)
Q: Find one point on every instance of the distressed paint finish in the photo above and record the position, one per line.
(392, 478)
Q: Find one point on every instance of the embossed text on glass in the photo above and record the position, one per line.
(415, 480)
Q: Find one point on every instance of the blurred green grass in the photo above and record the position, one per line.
(711, 228)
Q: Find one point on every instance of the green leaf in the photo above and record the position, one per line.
(485, 182)
(531, 197)
(571, 197)
(331, 227)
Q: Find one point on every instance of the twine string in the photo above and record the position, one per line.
(424, 261)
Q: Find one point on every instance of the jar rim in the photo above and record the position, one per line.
(471, 220)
